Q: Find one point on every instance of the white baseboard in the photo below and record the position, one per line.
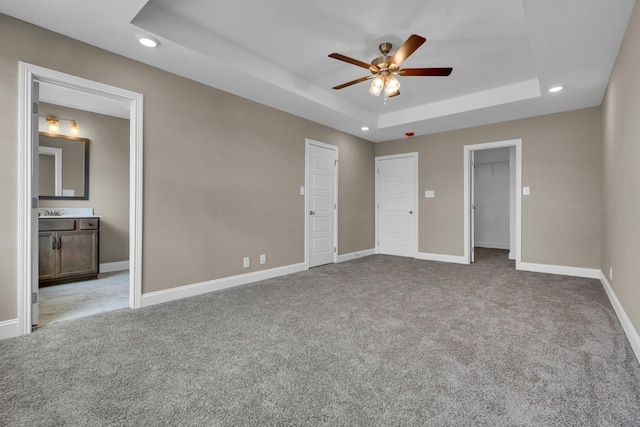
(492, 245)
(632, 334)
(218, 284)
(441, 258)
(114, 266)
(590, 273)
(354, 255)
(9, 329)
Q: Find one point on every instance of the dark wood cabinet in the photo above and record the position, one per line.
(68, 250)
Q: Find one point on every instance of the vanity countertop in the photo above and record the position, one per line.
(69, 216)
(67, 213)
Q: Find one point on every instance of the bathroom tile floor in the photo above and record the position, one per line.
(74, 300)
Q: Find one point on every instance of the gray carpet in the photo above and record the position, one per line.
(377, 341)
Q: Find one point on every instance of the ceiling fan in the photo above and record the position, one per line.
(384, 68)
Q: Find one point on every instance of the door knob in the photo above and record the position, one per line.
(411, 212)
(312, 212)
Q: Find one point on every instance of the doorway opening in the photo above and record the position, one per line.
(30, 78)
(497, 166)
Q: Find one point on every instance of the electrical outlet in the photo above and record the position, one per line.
(263, 259)
(247, 262)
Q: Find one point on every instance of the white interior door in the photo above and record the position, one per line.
(396, 205)
(321, 197)
(35, 193)
(472, 204)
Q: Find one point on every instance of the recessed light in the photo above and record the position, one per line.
(148, 41)
(555, 89)
(365, 128)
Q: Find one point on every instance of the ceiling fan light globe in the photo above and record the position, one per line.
(391, 85)
(375, 90)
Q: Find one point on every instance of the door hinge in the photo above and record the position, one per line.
(35, 108)
(335, 163)
(34, 297)
(34, 203)
(335, 206)
(335, 250)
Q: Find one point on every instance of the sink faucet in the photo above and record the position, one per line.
(51, 213)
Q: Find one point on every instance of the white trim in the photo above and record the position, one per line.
(589, 273)
(108, 267)
(216, 285)
(307, 142)
(416, 201)
(9, 329)
(29, 73)
(517, 143)
(629, 330)
(57, 169)
(355, 255)
(455, 259)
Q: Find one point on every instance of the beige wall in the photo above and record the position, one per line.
(222, 174)
(621, 174)
(562, 165)
(108, 177)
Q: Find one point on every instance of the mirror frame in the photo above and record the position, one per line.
(85, 141)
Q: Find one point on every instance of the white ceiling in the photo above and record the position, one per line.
(505, 54)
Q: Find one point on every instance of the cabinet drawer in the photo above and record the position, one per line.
(57, 224)
(89, 224)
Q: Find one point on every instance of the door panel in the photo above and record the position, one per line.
(76, 253)
(321, 200)
(396, 206)
(46, 255)
(35, 195)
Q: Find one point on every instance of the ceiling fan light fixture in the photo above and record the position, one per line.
(376, 86)
(391, 85)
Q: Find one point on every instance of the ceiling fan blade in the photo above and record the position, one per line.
(361, 79)
(425, 71)
(408, 47)
(340, 57)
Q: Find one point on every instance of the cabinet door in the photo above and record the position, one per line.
(46, 255)
(78, 253)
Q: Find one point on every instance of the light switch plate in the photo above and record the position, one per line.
(526, 191)
(429, 194)
(302, 190)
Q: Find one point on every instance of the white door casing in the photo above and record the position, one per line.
(27, 215)
(321, 203)
(396, 207)
(472, 206)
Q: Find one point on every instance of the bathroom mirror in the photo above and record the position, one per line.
(63, 167)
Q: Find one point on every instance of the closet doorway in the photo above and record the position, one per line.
(492, 200)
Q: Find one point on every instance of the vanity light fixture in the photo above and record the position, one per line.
(74, 127)
(147, 41)
(54, 125)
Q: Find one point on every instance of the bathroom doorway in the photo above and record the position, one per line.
(93, 182)
(30, 79)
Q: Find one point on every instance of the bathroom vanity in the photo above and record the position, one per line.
(68, 248)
